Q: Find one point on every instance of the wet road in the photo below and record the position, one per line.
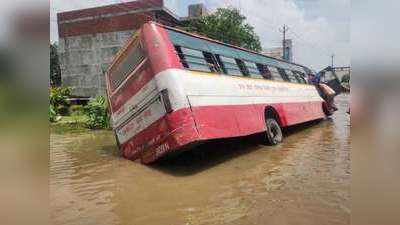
(305, 180)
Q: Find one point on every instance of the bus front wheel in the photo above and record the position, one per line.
(273, 132)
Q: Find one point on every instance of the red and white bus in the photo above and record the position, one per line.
(168, 88)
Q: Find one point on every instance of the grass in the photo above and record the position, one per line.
(69, 124)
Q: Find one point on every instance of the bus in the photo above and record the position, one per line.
(169, 89)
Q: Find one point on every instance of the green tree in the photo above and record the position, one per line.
(97, 113)
(55, 71)
(226, 25)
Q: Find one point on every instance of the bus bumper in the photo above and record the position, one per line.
(170, 133)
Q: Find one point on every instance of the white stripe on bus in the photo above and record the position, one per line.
(147, 117)
(203, 89)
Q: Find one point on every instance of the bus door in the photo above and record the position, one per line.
(329, 77)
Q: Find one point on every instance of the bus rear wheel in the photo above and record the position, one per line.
(273, 132)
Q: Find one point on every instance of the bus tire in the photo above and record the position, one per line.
(273, 132)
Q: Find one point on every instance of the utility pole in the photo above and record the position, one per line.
(283, 30)
(332, 57)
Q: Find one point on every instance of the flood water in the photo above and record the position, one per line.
(305, 180)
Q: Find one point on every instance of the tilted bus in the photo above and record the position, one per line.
(168, 88)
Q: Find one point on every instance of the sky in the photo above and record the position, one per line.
(318, 28)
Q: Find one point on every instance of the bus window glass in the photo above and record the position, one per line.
(253, 70)
(300, 77)
(242, 67)
(230, 66)
(290, 75)
(264, 71)
(211, 61)
(179, 52)
(275, 75)
(193, 59)
(127, 65)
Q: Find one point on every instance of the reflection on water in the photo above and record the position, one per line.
(305, 180)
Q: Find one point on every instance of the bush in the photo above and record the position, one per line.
(76, 110)
(52, 114)
(96, 113)
(58, 99)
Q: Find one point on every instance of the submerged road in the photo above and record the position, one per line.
(304, 180)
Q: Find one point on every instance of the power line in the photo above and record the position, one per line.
(273, 25)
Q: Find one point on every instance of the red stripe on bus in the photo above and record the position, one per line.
(176, 129)
(133, 85)
(160, 50)
(161, 56)
(241, 120)
(211, 122)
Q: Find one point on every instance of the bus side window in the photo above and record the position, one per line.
(212, 62)
(181, 56)
(193, 59)
(264, 71)
(275, 73)
(292, 78)
(242, 67)
(220, 64)
(253, 70)
(283, 74)
(230, 66)
(300, 77)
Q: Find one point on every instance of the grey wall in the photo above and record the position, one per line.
(85, 58)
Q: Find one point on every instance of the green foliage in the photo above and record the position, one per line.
(97, 114)
(76, 110)
(58, 99)
(226, 25)
(58, 102)
(77, 113)
(55, 71)
(52, 114)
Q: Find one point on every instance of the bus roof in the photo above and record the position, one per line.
(230, 46)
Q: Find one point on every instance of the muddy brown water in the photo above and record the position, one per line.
(304, 180)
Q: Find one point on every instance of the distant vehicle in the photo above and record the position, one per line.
(168, 89)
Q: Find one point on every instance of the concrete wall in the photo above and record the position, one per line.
(85, 58)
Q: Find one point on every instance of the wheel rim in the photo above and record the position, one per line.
(275, 132)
